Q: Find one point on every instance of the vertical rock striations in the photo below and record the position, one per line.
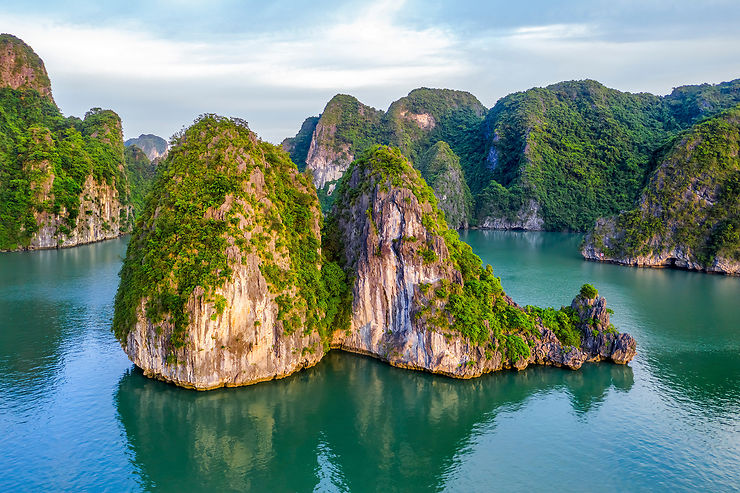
(422, 299)
(689, 214)
(222, 283)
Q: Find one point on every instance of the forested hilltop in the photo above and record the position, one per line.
(63, 180)
(689, 214)
(555, 158)
(326, 145)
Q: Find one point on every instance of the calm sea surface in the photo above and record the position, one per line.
(76, 415)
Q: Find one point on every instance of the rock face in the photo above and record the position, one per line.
(689, 214)
(154, 147)
(440, 167)
(527, 218)
(102, 213)
(421, 298)
(222, 285)
(345, 127)
(299, 145)
(21, 67)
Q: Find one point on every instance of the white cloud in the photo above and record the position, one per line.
(368, 49)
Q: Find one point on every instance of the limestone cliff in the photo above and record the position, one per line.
(440, 167)
(21, 68)
(422, 299)
(345, 127)
(414, 123)
(689, 214)
(299, 145)
(154, 147)
(222, 283)
(62, 180)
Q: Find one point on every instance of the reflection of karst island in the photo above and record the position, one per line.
(231, 278)
(293, 418)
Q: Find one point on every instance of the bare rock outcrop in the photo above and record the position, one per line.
(21, 67)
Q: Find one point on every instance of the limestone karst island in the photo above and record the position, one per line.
(376, 282)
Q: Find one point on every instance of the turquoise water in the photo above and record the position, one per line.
(76, 415)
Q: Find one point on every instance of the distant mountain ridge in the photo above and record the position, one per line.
(554, 158)
(413, 123)
(154, 147)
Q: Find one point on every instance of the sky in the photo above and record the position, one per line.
(161, 63)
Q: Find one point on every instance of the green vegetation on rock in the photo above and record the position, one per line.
(579, 149)
(220, 199)
(474, 306)
(37, 145)
(140, 172)
(691, 205)
(440, 167)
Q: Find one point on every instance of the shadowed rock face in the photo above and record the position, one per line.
(21, 67)
(229, 222)
(440, 167)
(408, 271)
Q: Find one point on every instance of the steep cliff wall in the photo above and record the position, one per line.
(689, 214)
(345, 128)
(422, 299)
(21, 67)
(223, 284)
(414, 123)
(299, 145)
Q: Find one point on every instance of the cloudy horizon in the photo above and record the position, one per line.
(160, 64)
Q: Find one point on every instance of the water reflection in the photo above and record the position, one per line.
(351, 422)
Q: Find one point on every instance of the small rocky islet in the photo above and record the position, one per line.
(230, 279)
